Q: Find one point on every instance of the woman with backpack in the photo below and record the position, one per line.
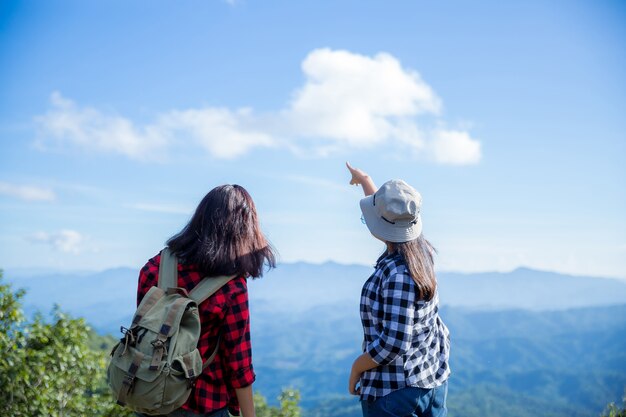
(223, 238)
(403, 371)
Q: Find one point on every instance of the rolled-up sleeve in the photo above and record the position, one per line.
(236, 334)
(398, 299)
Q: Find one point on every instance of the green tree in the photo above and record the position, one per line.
(613, 410)
(289, 400)
(47, 368)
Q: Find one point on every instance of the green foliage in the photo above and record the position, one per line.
(49, 368)
(289, 400)
(613, 410)
(58, 368)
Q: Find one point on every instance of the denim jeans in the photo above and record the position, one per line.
(186, 413)
(409, 402)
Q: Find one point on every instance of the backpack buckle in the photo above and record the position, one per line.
(128, 339)
(159, 351)
(128, 384)
(158, 344)
(128, 381)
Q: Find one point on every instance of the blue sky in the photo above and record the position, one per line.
(117, 117)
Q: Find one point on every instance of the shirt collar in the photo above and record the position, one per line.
(386, 256)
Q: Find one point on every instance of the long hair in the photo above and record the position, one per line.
(224, 237)
(418, 256)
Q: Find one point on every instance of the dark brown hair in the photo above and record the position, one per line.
(418, 256)
(224, 237)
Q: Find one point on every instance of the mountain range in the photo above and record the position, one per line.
(524, 343)
(105, 298)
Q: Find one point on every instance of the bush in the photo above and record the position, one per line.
(58, 368)
(48, 367)
(614, 411)
(289, 400)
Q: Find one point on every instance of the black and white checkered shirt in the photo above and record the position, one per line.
(403, 334)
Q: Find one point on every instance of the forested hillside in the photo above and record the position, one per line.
(513, 363)
(510, 362)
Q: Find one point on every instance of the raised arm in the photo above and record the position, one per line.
(359, 177)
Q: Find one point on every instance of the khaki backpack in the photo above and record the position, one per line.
(154, 366)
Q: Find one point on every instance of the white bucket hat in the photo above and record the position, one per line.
(393, 212)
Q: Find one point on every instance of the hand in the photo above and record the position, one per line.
(355, 377)
(358, 176)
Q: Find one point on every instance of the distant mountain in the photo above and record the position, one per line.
(528, 289)
(107, 298)
(300, 286)
(524, 343)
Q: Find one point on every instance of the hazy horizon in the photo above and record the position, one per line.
(33, 272)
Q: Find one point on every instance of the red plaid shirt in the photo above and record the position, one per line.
(225, 313)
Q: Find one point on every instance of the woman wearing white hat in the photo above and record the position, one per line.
(403, 371)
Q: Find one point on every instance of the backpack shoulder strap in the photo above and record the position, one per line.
(207, 287)
(168, 270)
(210, 359)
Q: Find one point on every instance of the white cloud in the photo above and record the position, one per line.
(455, 147)
(90, 129)
(347, 101)
(223, 133)
(68, 241)
(27, 192)
(354, 99)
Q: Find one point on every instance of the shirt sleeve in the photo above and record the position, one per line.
(148, 277)
(398, 300)
(236, 335)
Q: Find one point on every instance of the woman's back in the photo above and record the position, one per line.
(223, 237)
(224, 317)
(402, 333)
